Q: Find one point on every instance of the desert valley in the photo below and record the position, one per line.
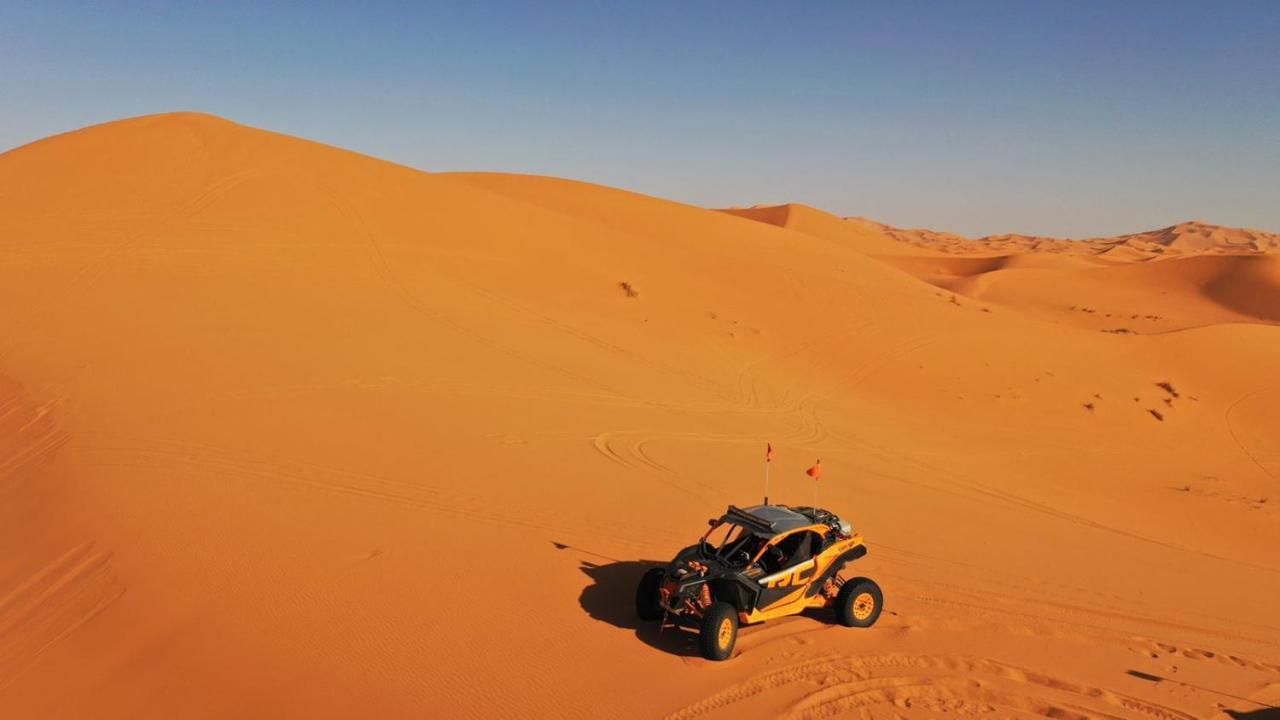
(289, 431)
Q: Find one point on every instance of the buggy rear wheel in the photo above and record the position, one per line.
(718, 632)
(859, 603)
(647, 605)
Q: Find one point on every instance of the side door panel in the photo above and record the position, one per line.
(786, 585)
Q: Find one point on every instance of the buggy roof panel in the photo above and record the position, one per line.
(767, 519)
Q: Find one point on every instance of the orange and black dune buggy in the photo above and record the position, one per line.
(757, 564)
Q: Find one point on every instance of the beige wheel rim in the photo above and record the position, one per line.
(863, 605)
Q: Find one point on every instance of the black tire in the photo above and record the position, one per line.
(859, 603)
(718, 632)
(648, 606)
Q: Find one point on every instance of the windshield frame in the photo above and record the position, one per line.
(730, 545)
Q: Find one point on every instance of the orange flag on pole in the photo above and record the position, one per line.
(815, 472)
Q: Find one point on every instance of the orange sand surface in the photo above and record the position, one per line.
(287, 431)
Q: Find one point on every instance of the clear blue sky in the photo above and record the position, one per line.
(1064, 118)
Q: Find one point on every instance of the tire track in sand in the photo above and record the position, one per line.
(39, 610)
(930, 685)
(146, 227)
(1226, 418)
(627, 447)
(29, 436)
(195, 460)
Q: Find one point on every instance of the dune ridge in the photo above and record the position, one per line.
(1205, 274)
(287, 431)
(1193, 237)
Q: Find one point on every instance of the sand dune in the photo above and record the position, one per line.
(862, 235)
(1188, 238)
(1143, 298)
(286, 431)
(1207, 274)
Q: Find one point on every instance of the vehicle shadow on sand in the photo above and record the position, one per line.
(611, 598)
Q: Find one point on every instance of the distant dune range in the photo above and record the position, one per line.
(287, 431)
(1192, 273)
(1188, 238)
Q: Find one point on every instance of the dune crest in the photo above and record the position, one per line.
(1183, 239)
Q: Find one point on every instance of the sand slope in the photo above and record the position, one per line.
(286, 431)
(1188, 275)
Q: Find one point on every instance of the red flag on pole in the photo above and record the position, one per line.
(768, 455)
(815, 472)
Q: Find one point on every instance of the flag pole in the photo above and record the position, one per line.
(768, 459)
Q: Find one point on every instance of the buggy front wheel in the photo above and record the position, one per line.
(718, 631)
(859, 603)
(648, 606)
